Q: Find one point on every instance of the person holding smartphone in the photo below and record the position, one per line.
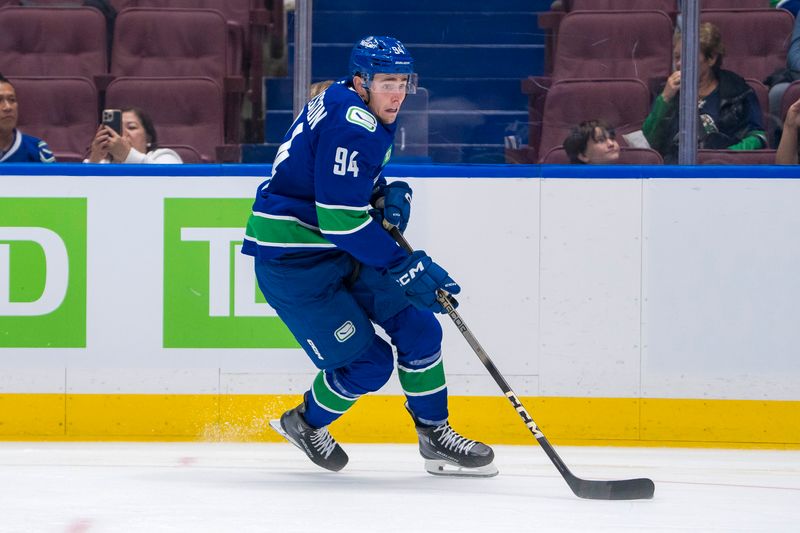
(128, 136)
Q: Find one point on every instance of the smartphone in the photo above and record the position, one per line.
(113, 119)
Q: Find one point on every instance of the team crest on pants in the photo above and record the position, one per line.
(345, 331)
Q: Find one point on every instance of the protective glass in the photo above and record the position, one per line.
(405, 83)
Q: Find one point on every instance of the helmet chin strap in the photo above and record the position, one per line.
(365, 99)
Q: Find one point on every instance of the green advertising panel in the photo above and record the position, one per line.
(211, 299)
(42, 272)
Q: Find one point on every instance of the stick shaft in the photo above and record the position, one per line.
(605, 490)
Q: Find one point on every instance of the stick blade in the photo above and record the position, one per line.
(624, 489)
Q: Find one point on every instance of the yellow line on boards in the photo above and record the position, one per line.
(382, 419)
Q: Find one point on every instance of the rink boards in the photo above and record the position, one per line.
(625, 305)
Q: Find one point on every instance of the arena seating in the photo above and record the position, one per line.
(550, 21)
(598, 45)
(187, 153)
(756, 40)
(248, 23)
(61, 110)
(52, 41)
(791, 95)
(180, 42)
(78, 41)
(622, 103)
(470, 55)
(736, 157)
(186, 110)
(613, 44)
(762, 94)
(627, 156)
(738, 4)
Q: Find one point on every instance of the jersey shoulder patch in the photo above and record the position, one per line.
(361, 117)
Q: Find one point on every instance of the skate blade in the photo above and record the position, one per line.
(276, 425)
(443, 468)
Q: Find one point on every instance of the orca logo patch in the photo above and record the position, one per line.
(361, 117)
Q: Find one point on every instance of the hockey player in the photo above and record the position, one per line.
(331, 271)
(15, 146)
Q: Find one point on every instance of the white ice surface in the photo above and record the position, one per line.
(199, 487)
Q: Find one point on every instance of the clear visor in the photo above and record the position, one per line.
(401, 83)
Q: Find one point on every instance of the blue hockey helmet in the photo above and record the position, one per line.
(382, 55)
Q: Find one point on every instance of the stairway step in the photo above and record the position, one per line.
(415, 124)
(454, 6)
(468, 127)
(474, 127)
(446, 61)
(437, 27)
(467, 153)
(502, 94)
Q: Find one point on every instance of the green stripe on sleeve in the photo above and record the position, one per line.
(340, 219)
(423, 381)
(286, 231)
(329, 399)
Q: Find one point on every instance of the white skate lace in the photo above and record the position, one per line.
(323, 441)
(452, 440)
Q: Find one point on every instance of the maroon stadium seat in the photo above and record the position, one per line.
(248, 23)
(594, 45)
(550, 21)
(180, 42)
(736, 157)
(119, 5)
(60, 110)
(614, 44)
(667, 6)
(738, 4)
(756, 40)
(172, 42)
(791, 95)
(187, 153)
(627, 156)
(622, 103)
(185, 110)
(762, 94)
(52, 41)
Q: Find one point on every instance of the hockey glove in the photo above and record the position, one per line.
(420, 278)
(397, 204)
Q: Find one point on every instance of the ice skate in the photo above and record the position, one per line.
(317, 444)
(447, 453)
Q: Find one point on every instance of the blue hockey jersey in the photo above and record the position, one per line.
(27, 149)
(323, 178)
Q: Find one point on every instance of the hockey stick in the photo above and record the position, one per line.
(623, 489)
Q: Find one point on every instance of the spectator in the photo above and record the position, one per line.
(318, 87)
(728, 110)
(779, 80)
(592, 142)
(15, 146)
(787, 149)
(137, 144)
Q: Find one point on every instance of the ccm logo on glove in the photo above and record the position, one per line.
(413, 271)
(420, 278)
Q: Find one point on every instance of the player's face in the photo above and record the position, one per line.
(602, 149)
(133, 130)
(387, 92)
(8, 107)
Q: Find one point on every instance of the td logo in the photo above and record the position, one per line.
(211, 298)
(43, 272)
